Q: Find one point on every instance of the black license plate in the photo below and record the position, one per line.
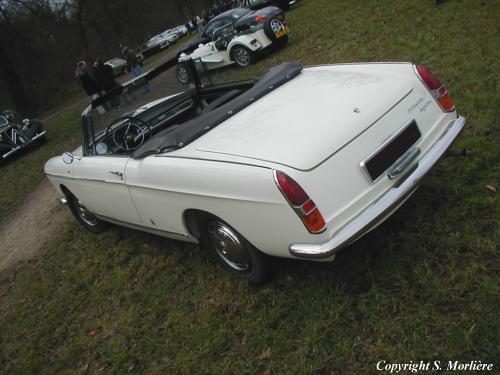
(377, 164)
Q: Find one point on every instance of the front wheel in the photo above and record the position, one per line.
(183, 73)
(233, 251)
(89, 220)
(242, 56)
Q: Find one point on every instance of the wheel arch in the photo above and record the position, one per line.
(241, 42)
(65, 191)
(191, 218)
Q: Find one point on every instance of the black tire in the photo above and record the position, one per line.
(232, 251)
(283, 4)
(89, 221)
(271, 27)
(183, 73)
(242, 56)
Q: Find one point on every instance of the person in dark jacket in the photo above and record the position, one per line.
(132, 63)
(103, 75)
(87, 80)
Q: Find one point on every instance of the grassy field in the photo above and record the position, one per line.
(423, 286)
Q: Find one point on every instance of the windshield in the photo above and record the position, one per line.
(148, 101)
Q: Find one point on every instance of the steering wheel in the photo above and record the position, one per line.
(225, 37)
(128, 133)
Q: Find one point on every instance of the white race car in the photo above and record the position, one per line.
(228, 46)
(298, 163)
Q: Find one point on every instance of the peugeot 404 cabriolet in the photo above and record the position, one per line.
(298, 163)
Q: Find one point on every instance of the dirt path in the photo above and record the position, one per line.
(26, 230)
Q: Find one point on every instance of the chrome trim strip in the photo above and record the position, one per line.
(38, 135)
(7, 154)
(142, 228)
(14, 150)
(393, 197)
(84, 179)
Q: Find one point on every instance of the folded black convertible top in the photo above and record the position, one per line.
(178, 136)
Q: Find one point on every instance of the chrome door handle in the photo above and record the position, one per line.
(117, 173)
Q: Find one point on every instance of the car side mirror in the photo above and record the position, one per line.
(68, 158)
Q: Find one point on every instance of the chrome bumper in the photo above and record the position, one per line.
(385, 205)
(14, 150)
(62, 200)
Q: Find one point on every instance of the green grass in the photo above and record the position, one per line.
(423, 286)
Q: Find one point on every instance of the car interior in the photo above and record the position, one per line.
(133, 122)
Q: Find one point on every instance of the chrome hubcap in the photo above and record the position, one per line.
(87, 216)
(277, 26)
(241, 56)
(182, 74)
(228, 246)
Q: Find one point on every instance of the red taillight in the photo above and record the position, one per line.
(303, 206)
(436, 88)
(260, 18)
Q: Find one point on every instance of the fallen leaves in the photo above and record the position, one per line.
(95, 331)
(491, 188)
(266, 354)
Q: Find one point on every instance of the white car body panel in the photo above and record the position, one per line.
(319, 139)
(332, 98)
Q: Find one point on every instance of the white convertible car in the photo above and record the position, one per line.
(298, 163)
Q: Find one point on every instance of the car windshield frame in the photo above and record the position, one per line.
(173, 121)
(4, 122)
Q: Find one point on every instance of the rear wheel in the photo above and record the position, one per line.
(274, 29)
(233, 251)
(88, 219)
(242, 56)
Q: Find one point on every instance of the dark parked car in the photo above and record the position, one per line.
(241, 18)
(256, 4)
(17, 133)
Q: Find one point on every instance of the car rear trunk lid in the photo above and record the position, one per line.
(309, 118)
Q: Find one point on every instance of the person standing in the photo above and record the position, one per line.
(87, 80)
(132, 63)
(104, 76)
(199, 24)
